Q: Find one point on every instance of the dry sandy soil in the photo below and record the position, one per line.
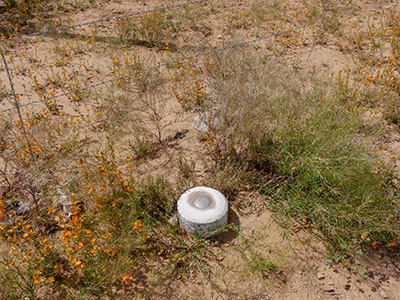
(301, 257)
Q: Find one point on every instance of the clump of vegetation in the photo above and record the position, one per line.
(3, 91)
(148, 31)
(17, 14)
(320, 149)
(155, 197)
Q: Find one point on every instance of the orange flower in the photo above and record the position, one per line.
(126, 278)
(374, 245)
(363, 237)
(106, 235)
(136, 224)
(50, 280)
(51, 210)
(79, 265)
(392, 243)
(346, 263)
(36, 279)
(66, 236)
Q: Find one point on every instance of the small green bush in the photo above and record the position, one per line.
(302, 133)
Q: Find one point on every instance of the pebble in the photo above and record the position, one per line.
(383, 294)
(320, 276)
(263, 296)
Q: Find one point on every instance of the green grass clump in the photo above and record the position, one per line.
(321, 153)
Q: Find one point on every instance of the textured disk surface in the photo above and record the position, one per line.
(202, 209)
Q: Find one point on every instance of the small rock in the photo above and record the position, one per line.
(23, 208)
(263, 296)
(219, 37)
(173, 220)
(200, 125)
(215, 298)
(329, 290)
(207, 120)
(66, 202)
(347, 287)
(320, 276)
(383, 294)
(331, 282)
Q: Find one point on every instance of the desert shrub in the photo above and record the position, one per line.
(155, 196)
(299, 130)
(19, 13)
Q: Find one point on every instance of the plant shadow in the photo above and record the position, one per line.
(231, 234)
(115, 40)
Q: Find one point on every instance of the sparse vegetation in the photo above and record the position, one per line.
(90, 177)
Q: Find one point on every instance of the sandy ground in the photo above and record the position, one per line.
(297, 252)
